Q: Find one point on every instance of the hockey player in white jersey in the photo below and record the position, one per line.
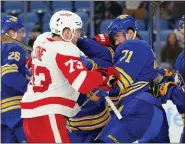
(58, 78)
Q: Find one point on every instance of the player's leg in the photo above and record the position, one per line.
(19, 132)
(46, 129)
(163, 136)
(137, 117)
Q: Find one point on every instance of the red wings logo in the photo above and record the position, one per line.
(65, 14)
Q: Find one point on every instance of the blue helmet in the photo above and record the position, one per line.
(10, 22)
(182, 22)
(121, 24)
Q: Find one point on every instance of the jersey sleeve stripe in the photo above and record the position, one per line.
(124, 74)
(10, 108)
(79, 80)
(8, 71)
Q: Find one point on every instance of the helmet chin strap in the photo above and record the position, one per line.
(133, 36)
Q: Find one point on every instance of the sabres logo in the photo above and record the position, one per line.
(123, 16)
(14, 19)
(178, 79)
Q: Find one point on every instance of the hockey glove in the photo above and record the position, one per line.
(28, 62)
(164, 87)
(103, 40)
(90, 64)
(112, 76)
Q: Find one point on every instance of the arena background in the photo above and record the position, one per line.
(166, 40)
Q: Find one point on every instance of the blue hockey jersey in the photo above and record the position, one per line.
(180, 68)
(178, 97)
(135, 61)
(14, 82)
(94, 114)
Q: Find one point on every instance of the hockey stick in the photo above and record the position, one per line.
(109, 101)
(47, 6)
(26, 47)
(152, 9)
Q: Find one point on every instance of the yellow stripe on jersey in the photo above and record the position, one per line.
(182, 115)
(8, 69)
(89, 128)
(133, 89)
(89, 122)
(114, 98)
(112, 53)
(9, 66)
(10, 103)
(125, 78)
(183, 120)
(7, 72)
(10, 108)
(11, 99)
(130, 88)
(120, 85)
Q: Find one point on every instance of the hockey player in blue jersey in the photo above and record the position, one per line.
(143, 120)
(174, 88)
(13, 79)
(94, 115)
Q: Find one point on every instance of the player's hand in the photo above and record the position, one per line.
(111, 76)
(28, 62)
(103, 40)
(90, 65)
(164, 87)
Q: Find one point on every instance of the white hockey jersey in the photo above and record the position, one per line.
(58, 77)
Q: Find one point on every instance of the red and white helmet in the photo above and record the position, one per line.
(65, 19)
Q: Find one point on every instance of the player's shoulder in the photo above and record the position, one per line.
(134, 45)
(8, 47)
(43, 38)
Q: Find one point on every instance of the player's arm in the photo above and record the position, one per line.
(10, 75)
(92, 48)
(80, 78)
